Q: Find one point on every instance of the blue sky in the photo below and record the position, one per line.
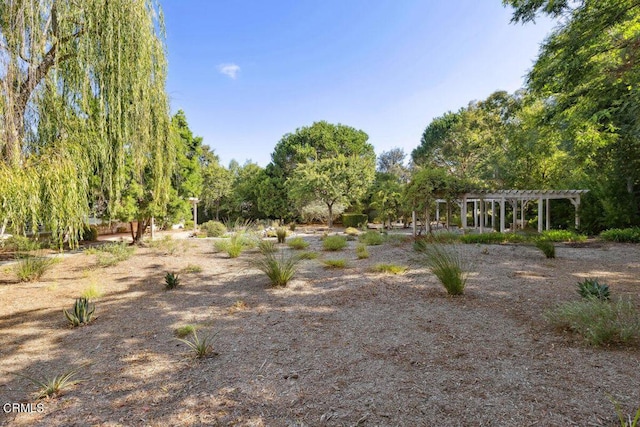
(248, 72)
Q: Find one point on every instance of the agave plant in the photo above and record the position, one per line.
(590, 288)
(82, 312)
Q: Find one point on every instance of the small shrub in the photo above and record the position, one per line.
(547, 247)
(213, 228)
(20, 244)
(90, 233)
(236, 244)
(267, 247)
(372, 238)
(192, 268)
(355, 220)
(186, 330)
(598, 322)
(493, 238)
(298, 243)
(111, 254)
(447, 266)
(623, 235)
(361, 251)
(168, 246)
(200, 348)
(590, 288)
(171, 280)
(390, 268)
(334, 243)
(281, 234)
(32, 268)
(81, 313)
(50, 387)
(351, 231)
(308, 255)
(563, 236)
(279, 269)
(335, 263)
(292, 226)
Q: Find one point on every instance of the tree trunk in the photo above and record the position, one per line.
(217, 210)
(330, 206)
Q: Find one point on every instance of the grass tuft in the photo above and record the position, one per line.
(111, 254)
(93, 291)
(32, 268)
(389, 268)
(200, 348)
(372, 238)
(335, 263)
(186, 330)
(308, 255)
(280, 269)
(447, 266)
(334, 243)
(361, 251)
(192, 268)
(546, 246)
(49, 387)
(298, 243)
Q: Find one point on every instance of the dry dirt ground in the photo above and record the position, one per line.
(335, 348)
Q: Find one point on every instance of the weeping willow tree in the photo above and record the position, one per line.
(84, 112)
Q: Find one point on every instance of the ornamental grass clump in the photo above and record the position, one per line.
(32, 268)
(372, 238)
(447, 265)
(361, 251)
(214, 228)
(600, 323)
(335, 263)
(334, 243)
(389, 268)
(298, 243)
(281, 234)
(49, 387)
(546, 246)
(280, 268)
(200, 348)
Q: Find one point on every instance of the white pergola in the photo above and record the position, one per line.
(485, 200)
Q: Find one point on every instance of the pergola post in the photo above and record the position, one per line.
(493, 214)
(514, 204)
(540, 214)
(438, 212)
(502, 215)
(548, 215)
(194, 201)
(522, 204)
(482, 212)
(576, 204)
(475, 214)
(463, 212)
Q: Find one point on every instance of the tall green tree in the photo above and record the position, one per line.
(331, 180)
(218, 182)
(82, 92)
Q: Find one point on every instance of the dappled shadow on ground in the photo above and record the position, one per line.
(335, 347)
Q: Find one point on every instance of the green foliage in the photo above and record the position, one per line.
(214, 228)
(546, 246)
(171, 280)
(280, 269)
(361, 251)
(625, 422)
(236, 244)
(298, 243)
(355, 220)
(334, 243)
(447, 265)
(372, 238)
(335, 263)
(591, 288)
(493, 238)
(563, 236)
(441, 237)
(200, 348)
(49, 387)
(599, 322)
(308, 255)
(186, 330)
(90, 233)
(389, 268)
(292, 226)
(267, 247)
(111, 254)
(281, 234)
(20, 244)
(32, 268)
(168, 245)
(92, 292)
(625, 235)
(81, 313)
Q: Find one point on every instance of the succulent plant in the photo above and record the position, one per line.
(82, 312)
(171, 280)
(590, 288)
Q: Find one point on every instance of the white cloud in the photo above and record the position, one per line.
(230, 70)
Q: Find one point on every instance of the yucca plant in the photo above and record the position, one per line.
(201, 348)
(590, 288)
(171, 280)
(447, 266)
(50, 387)
(82, 312)
(279, 269)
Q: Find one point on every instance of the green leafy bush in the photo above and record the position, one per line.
(351, 231)
(563, 236)
(334, 243)
(446, 264)
(598, 322)
(624, 235)
(335, 263)
(20, 244)
(81, 313)
(280, 269)
(298, 243)
(547, 247)
(361, 251)
(355, 220)
(372, 238)
(389, 268)
(32, 268)
(90, 233)
(213, 228)
(111, 254)
(590, 288)
(493, 238)
(171, 280)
